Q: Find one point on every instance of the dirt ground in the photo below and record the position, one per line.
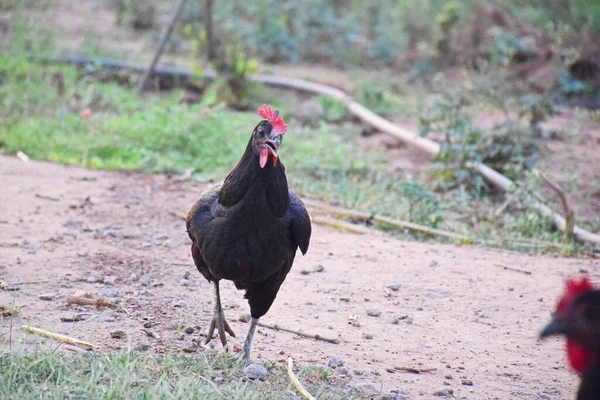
(459, 311)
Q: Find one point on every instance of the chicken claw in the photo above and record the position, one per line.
(218, 320)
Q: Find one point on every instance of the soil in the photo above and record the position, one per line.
(121, 236)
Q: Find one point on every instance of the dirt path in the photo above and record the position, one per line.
(465, 316)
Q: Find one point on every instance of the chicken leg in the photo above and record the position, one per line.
(249, 337)
(218, 320)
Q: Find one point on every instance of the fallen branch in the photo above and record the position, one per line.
(98, 303)
(568, 213)
(367, 116)
(343, 225)
(321, 207)
(414, 370)
(299, 333)
(60, 338)
(295, 381)
(513, 269)
(161, 48)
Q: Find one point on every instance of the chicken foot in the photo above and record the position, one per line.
(218, 320)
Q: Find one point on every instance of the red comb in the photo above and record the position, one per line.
(279, 127)
(573, 289)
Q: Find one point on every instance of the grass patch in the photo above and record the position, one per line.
(130, 375)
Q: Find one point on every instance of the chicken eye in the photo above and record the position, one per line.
(261, 131)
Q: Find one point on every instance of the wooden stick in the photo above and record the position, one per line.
(568, 213)
(98, 303)
(513, 269)
(61, 338)
(386, 220)
(307, 335)
(414, 370)
(296, 382)
(161, 48)
(344, 226)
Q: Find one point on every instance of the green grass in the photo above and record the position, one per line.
(44, 374)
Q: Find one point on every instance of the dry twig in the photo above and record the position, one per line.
(513, 269)
(300, 333)
(325, 208)
(163, 42)
(414, 370)
(568, 213)
(61, 338)
(178, 215)
(98, 303)
(15, 286)
(343, 225)
(295, 381)
(43, 196)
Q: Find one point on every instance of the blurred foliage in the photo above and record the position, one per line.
(511, 146)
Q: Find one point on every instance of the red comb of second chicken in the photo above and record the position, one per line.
(573, 289)
(279, 127)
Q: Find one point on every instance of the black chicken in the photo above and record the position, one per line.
(577, 318)
(248, 228)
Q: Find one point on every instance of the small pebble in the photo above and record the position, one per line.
(467, 382)
(48, 296)
(178, 303)
(218, 377)
(189, 330)
(255, 372)
(444, 393)
(319, 268)
(448, 376)
(345, 299)
(142, 347)
(91, 279)
(192, 348)
(343, 370)
(305, 271)
(399, 318)
(184, 282)
(335, 362)
(245, 318)
(117, 334)
(186, 275)
(367, 336)
(390, 370)
(373, 312)
(366, 388)
(394, 286)
(110, 280)
(354, 253)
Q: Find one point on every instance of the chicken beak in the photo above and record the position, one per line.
(556, 327)
(272, 144)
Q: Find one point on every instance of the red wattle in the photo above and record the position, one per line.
(264, 156)
(579, 359)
